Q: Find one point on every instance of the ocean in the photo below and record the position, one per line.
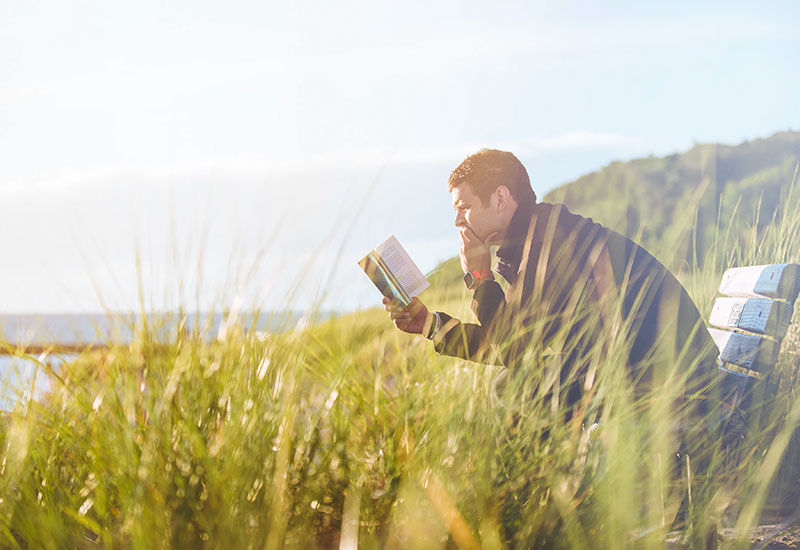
(21, 378)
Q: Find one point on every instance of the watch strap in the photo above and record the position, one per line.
(472, 278)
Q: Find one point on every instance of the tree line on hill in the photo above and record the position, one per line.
(678, 202)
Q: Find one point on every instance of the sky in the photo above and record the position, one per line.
(192, 154)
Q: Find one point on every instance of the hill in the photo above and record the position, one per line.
(653, 199)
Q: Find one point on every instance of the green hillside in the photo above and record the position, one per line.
(660, 196)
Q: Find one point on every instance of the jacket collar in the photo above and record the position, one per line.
(509, 255)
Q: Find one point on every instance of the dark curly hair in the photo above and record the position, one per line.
(487, 170)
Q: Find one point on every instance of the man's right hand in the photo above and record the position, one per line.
(475, 255)
(412, 318)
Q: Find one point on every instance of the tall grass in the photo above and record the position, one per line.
(349, 434)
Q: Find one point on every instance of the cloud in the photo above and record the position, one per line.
(255, 165)
(582, 139)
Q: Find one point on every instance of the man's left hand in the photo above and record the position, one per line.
(475, 255)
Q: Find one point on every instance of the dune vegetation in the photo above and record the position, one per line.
(350, 434)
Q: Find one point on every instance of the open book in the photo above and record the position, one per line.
(393, 271)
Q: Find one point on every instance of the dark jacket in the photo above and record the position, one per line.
(574, 286)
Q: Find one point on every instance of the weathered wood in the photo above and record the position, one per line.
(735, 387)
(761, 299)
(746, 350)
(759, 315)
(781, 281)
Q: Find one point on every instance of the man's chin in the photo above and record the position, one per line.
(489, 239)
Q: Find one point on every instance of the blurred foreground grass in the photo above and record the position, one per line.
(350, 434)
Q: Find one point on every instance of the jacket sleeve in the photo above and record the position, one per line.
(469, 340)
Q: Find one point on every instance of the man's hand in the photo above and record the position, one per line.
(412, 318)
(475, 255)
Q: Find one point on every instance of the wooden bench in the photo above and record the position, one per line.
(752, 317)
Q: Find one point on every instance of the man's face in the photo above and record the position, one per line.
(484, 221)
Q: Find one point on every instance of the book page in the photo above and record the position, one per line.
(402, 266)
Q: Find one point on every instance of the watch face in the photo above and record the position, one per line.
(469, 279)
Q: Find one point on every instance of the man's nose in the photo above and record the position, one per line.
(460, 220)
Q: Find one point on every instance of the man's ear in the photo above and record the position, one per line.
(503, 197)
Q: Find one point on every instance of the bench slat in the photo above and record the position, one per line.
(746, 350)
(781, 281)
(760, 315)
(744, 392)
(735, 387)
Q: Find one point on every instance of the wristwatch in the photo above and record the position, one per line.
(472, 278)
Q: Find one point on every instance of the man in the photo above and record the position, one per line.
(576, 290)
